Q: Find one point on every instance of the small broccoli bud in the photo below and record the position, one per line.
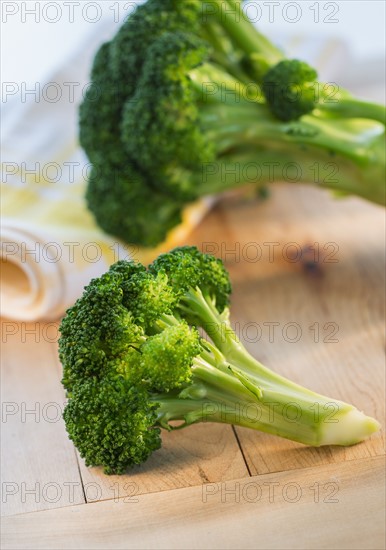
(149, 296)
(289, 88)
(167, 357)
(187, 269)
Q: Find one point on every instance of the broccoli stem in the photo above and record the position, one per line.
(354, 108)
(229, 108)
(305, 165)
(235, 122)
(222, 55)
(267, 403)
(230, 386)
(321, 150)
(240, 30)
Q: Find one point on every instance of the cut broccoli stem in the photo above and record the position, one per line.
(272, 405)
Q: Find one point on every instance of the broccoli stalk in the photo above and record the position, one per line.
(253, 396)
(237, 27)
(279, 76)
(134, 362)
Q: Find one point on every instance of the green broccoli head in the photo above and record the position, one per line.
(289, 88)
(122, 199)
(129, 49)
(163, 115)
(112, 423)
(98, 333)
(167, 357)
(115, 357)
(127, 206)
(187, 268)
(125, 199)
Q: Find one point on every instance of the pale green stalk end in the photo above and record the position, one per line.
(352, 427)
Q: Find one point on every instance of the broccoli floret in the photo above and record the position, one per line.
(187, 268)
(164, 116)
(167, 357)
(134, 361)
(112, 423)
(188, 91)
(129, 48)
(99, 329)
(202, 285)
(290, 89)
(125, 204)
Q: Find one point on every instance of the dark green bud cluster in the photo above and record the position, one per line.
(290, 89)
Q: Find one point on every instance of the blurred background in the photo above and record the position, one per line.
(37, 37)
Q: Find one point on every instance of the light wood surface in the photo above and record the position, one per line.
(311, 508)
(333, 307)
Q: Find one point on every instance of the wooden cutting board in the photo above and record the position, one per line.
(308, 273)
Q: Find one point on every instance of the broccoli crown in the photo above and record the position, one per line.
(112, 423)
(163, 115)
(167, 357)
(126, 201)
(289, 88)
(117, 358)
(125, 205)
(188, 268)
(129, 48)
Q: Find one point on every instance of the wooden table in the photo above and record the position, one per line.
(308, 275)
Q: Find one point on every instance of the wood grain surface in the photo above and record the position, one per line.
(308, 275)
(311, 508)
